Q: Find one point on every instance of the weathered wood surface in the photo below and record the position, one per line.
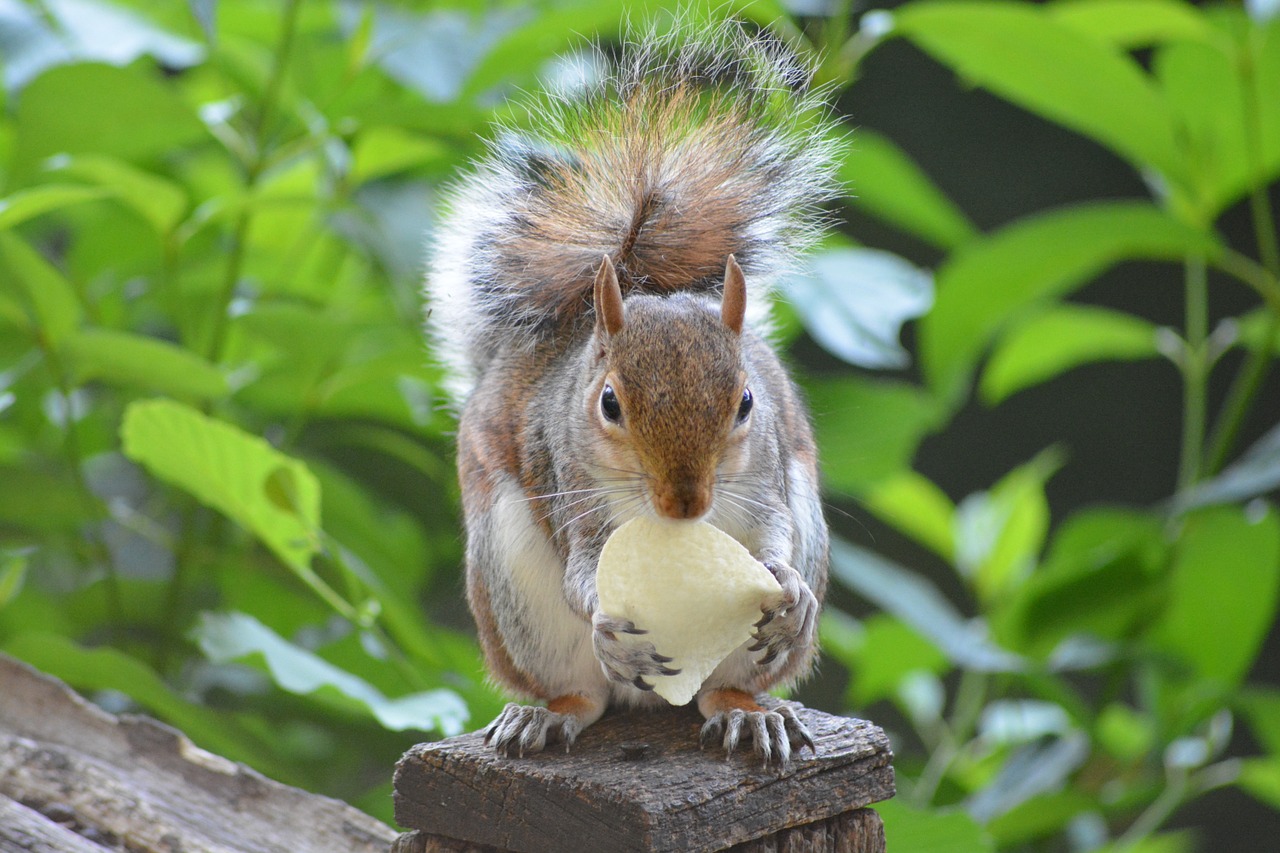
(27, 830)
(858, 831)
(673, 797)
(139, 785)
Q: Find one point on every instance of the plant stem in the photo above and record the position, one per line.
(1195, 373)
(215, 345)
(1173, 795)
(253, 172)
(1183, 787)
(971, 695)
(1250, 272)
(1244, 390)
(93, 507)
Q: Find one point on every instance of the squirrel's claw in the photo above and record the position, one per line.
(790, 621)
(775, 734)
(522, 729)
(627, 662)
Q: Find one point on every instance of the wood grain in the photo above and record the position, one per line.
(673, 797)
(147, 785)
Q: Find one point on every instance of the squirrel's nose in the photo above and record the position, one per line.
(683, 502)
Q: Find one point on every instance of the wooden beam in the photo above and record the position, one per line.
(151, 788)
(638, 782)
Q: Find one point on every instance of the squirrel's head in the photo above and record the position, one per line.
(671, 401)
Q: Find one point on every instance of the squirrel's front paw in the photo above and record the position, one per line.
(774, 734)
(627, 662)
(790, 621)
(521, 729)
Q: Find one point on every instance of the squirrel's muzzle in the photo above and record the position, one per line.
(685, 501)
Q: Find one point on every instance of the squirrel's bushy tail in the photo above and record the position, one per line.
(695, 144)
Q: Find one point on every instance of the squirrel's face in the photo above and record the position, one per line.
(671, 402)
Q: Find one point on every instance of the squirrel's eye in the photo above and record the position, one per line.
(609, 405)
(744, 408)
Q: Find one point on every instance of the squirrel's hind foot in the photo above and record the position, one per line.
(526, 729)
(732, 715)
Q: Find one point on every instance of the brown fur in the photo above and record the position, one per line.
(728, 699)
(683, 196)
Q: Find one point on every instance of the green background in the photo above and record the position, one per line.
(1038, 348)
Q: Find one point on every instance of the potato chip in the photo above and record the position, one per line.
(693, 588)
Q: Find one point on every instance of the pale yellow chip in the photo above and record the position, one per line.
(693, 588)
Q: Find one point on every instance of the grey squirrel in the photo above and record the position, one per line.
(599, 291)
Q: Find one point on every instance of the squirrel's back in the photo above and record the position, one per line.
(697, 144)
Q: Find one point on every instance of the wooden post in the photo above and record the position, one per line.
(638, 782)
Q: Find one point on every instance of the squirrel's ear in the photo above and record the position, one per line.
(608, 299)
(733, 308)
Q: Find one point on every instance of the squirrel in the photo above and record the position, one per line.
(599, 293)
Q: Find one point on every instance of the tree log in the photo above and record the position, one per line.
(28, 830)
(139, 785)
(638, 782)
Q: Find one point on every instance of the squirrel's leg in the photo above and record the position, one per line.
(521, 729)
(732, 715)
(793, 547)
(535, 642)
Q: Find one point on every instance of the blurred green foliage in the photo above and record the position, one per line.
(226, 486)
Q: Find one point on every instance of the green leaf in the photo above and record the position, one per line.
(435, 53)
(513, 54)
(890, 651)
(28, 204)
(65, 31)
(1223, 591)
(907, 828)
(13, 573)
(1261, 778)
(1168, 842)
(1100, 578)
(1206, 94)
(868, 430)
(40, 500)
(385, 150)
(988, 282)
(1133, 23)
(1262, 708)
(108, 32)
(883, 180)
(227, 637)
(1256, 472)
(231, 471)
(1040, 816)
(1226, 96)
(1054, 341)
(854, 301)
(1263, 11)
(51, 303)
(160, 202)
(137, 361)
(1021, 54)
(998, 534)
(1125, 733)
(1035, 768)
(100, 109)
(912, 503)
(920, 605)
(205, 13)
